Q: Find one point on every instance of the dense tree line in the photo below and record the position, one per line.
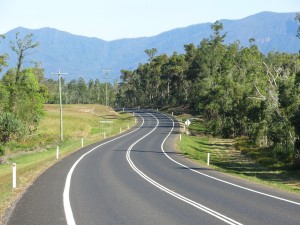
(81, 92)
(239, 90)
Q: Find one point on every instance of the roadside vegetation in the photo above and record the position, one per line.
(239, 92)
(247, 106)
(239, 156)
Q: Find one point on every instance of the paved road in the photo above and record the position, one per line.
(138, 178)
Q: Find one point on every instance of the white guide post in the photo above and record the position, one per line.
(57, 152)
(208, 157)
(14, 175)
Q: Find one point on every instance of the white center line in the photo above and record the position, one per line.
(174, 194)
(220, 180)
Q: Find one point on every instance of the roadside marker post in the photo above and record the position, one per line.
(120, 130)
(180, 137)
(14, 175)
(208, 158)
(128, 126)
(57, 152)
(81, 142)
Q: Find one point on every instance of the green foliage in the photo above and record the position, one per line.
(21, 47)
(22, 95)
(10, 127)
(298, 20)
(80, 92)
(238, 90)
(3, 58)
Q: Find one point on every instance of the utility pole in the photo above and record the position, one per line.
(105, 71)
(60, 102)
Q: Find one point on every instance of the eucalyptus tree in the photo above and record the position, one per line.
(22, 47)
(297, 18)
(3, 92)
(81, 91)
(3, 58)
(156, 68)
(70, 92)
(175, 76)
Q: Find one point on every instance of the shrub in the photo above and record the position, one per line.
(10, 126)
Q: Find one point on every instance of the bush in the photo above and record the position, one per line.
(1, 150)
(283, 152)
(10, 127)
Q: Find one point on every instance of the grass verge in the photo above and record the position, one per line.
(35, 153)
(235, 156)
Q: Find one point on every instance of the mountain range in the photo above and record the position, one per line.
(86, 57)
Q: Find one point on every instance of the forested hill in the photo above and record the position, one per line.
(86, 57)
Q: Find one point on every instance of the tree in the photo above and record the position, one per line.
(10, 126)
(29, 97)
(151, 53)
(22, 47)
(3, 58)
(174, 73)
(298, 20)
(81, 91)
(23, 93)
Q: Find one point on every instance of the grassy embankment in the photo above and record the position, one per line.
(235, 156)
(36, 153)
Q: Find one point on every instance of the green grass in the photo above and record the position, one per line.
(37, 152)
(236, 156)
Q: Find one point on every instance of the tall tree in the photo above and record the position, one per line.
(22, 48)
(3, 58)
(298, 20)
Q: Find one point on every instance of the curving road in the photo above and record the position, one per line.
(138, 178)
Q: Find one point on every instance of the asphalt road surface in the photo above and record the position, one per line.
(138, 178)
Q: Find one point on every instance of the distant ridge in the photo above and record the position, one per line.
(86, 57)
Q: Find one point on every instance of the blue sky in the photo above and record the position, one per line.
(115, 19)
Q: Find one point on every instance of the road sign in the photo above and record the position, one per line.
(187, 122)
(106, 121)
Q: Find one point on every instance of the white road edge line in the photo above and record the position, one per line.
(223, 181)
(66, 194)
(174, 194)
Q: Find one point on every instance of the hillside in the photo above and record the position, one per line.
(84, 56)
